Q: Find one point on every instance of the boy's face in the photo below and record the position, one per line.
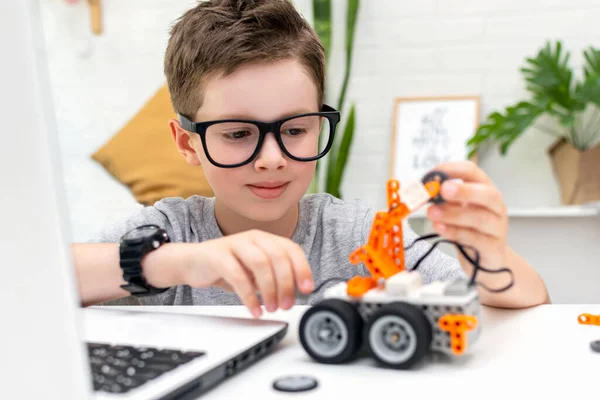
(268, 187)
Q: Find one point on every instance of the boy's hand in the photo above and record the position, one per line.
(248, 262)
(474, 213)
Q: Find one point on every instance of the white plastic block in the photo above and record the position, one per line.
(404, 282)
(433, 289)
(338, 291)
(414, 195)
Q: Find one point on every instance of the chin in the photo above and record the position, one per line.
(265, 213)
(268, 210)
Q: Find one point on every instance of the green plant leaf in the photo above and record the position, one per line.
(338, 164)
(351, 16)
(322, 23)
(322, 11)
(589, 90)
(506, 127)
(323, 27)
(550, 80)
(592, 58)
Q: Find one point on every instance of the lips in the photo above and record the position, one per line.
(268, 189)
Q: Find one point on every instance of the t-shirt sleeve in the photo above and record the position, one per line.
(147, 215)
(436, 266)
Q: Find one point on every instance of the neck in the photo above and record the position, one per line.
(231, 223)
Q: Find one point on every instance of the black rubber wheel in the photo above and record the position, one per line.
(435, 176)
(398, 335)
(330, 331)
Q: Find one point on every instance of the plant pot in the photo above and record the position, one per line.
(577, 172)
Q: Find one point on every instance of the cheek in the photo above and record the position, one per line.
(302, 173)
(223, 181)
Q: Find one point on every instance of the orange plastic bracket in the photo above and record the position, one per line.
(588, 319)
(457, 326)
(359, 285)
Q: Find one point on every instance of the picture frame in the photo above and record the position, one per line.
(427, 131)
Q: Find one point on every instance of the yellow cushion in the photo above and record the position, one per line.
(143, 156)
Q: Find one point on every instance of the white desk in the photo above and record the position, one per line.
(522, 354)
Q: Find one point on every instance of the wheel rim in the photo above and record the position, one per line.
(326, 334)
(392, 339)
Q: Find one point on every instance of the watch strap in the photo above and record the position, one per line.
(131, 256)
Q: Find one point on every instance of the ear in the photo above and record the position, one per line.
(183, 140)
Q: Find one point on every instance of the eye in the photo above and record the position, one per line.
(294, 131)
(237, 134)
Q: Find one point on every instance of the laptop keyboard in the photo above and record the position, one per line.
(119, 369)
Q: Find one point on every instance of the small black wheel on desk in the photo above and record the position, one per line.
(295, 383)
(330, 331)
(595, 346)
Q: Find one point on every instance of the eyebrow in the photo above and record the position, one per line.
(251, 118)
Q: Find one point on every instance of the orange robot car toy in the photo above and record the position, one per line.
(391, 312)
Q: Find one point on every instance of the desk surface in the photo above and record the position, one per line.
(527, 353)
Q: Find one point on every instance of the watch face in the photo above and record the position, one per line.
(141, 232)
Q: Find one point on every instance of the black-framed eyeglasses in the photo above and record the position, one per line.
(230, 143)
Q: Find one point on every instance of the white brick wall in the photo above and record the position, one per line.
(403, 48)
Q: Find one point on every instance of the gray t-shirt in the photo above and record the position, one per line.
(328, 230)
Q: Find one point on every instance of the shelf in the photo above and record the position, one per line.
(591, 210)
(556, 212)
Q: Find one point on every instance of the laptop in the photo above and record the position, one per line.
(53, 348)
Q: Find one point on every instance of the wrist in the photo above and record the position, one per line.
(165, 266)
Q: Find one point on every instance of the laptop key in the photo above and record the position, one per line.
(158, 367)
(109, 371)
(97, 361)
(194, 354)
(119, 364)
(177, 357)
(128, 382)
(141, 374)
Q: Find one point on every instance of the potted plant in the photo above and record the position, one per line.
(573, 105)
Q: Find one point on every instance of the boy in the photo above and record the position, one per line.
(261, 236)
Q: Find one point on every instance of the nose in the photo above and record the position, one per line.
(270, 155)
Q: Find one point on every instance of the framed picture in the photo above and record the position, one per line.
(428, 131)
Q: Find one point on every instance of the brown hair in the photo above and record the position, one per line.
(218, 36)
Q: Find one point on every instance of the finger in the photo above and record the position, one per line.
(484, 244)
(223, 285)
(236, 276)
(473, 217)
(468, 171)
(480, 194)
(300, 267)
(257, 262)
(282, 269)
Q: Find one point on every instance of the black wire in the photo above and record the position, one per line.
(461, 248)
(474, 262)
(326, 281)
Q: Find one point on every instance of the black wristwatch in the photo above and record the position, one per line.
(134, 245)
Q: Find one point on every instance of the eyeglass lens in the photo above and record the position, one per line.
(234, 142)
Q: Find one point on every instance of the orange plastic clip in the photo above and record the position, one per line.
(588, 319)
(359, 285)
(457, 326)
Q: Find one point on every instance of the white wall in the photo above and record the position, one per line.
(403, 48)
